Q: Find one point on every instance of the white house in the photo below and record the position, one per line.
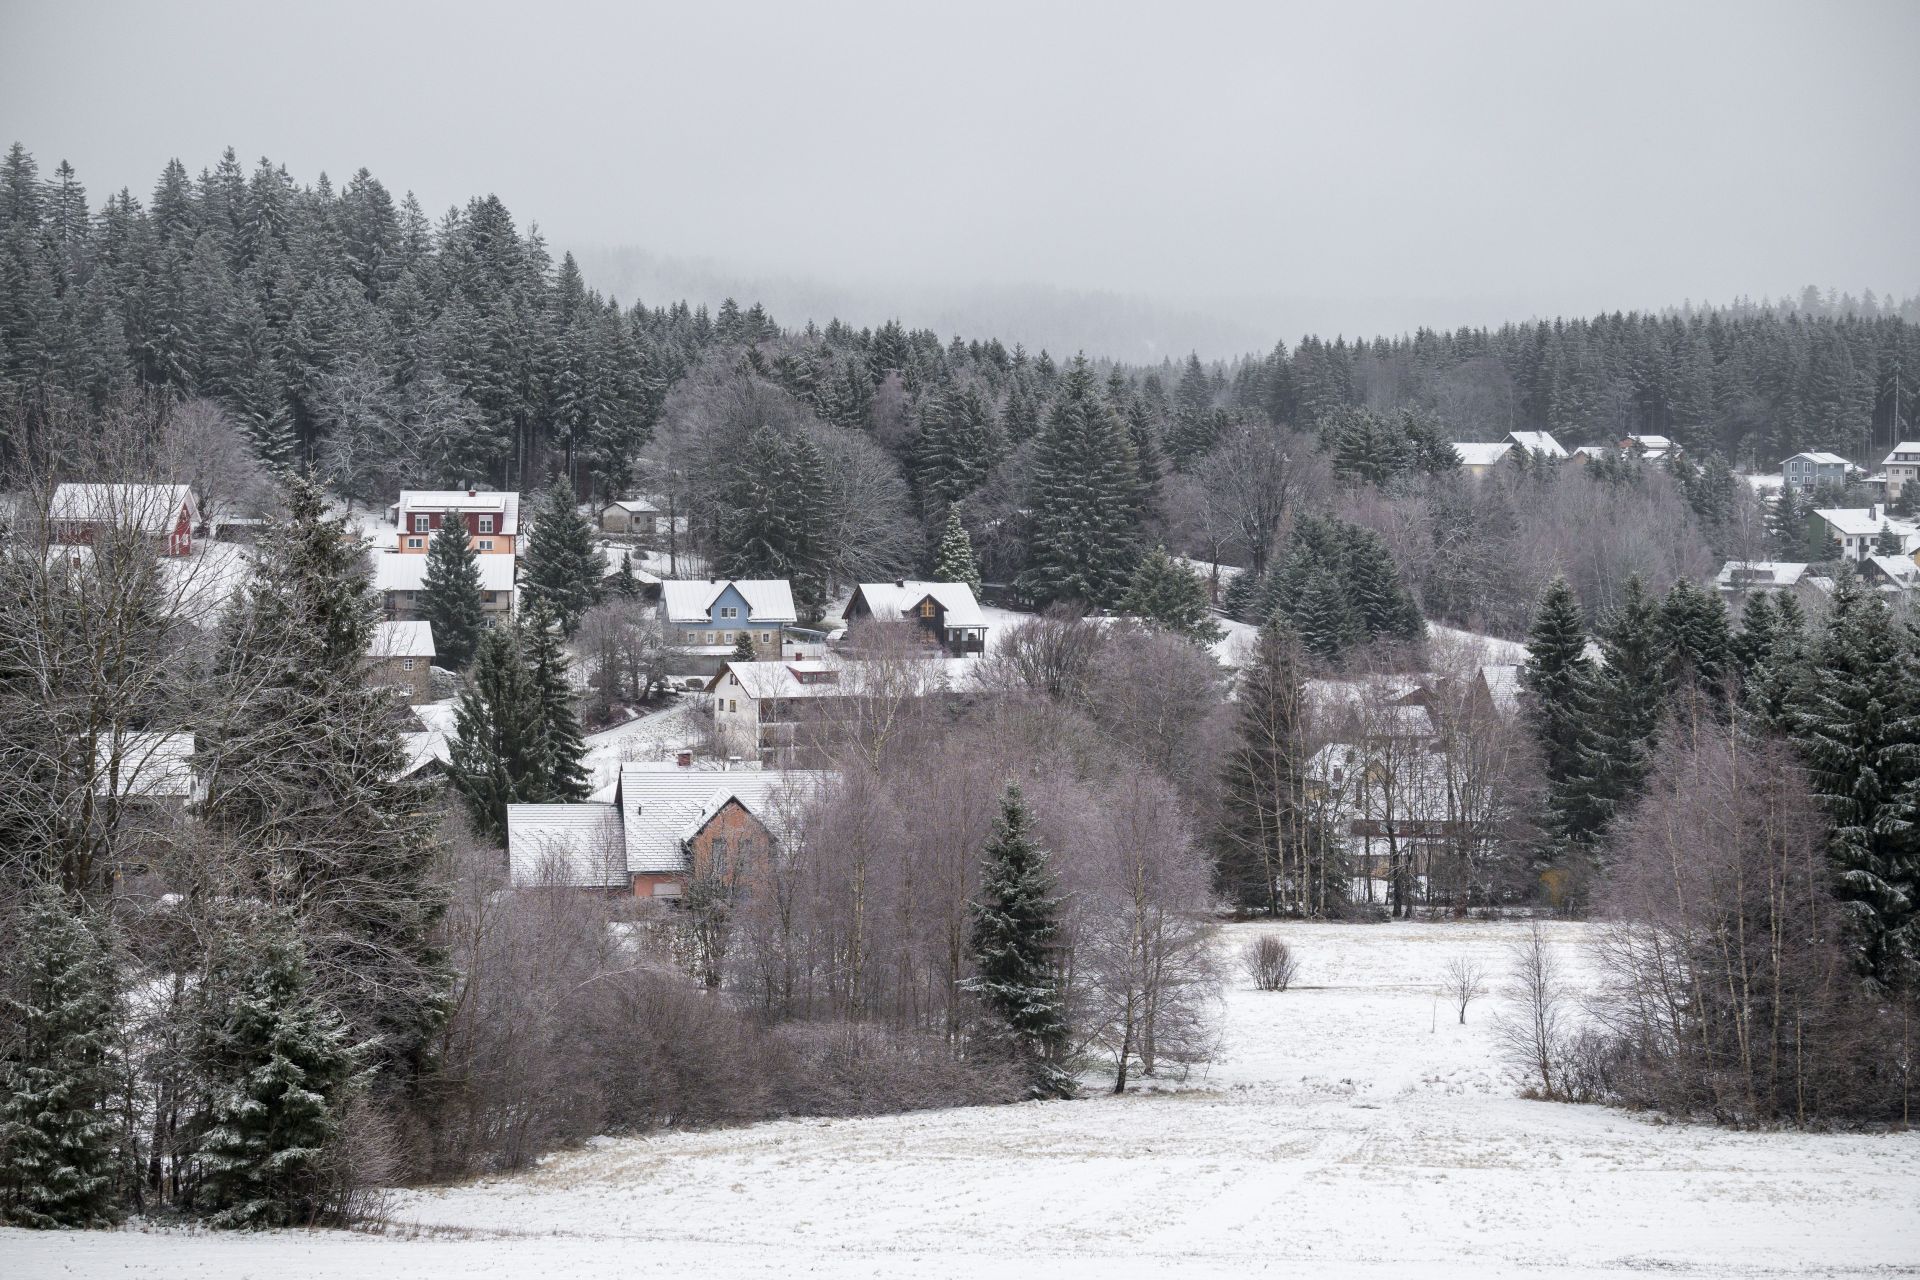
(1858, 529)
(1479, 457)
(758, 707)
(1903, 467)
(146, 764)
(1540, 444)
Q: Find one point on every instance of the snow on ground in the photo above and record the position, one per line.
(1477, 644)
(655, 736)
(1350, 1129)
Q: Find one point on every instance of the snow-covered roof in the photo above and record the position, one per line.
(1824, 459)
(144, 508)
(632, 506)
(1539, 443)
(836, 677)
(1864, 522)
(1473, 453)
(1900, 571)
(901, 598)
(402, 640)
(504, 504)
(1502, 681)
(1910, 448)
(153, 765)
(1594, 451)
(1760, 573)
(661, 806)
(407, 571)
(610, 560)
(768, 599)
(574, 845)
(1651, 442)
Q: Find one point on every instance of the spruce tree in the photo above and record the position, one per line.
(1241, 600)
(1328, 624)
(1015, 945)
(743, 648)
(1700, 649)
(1855, 717)
(60, 1140)
(625, 585)
(954, 562)
(451, 601)
(1081, 543)
(281, 1069)
(1556, 677)
(1172, 596)
(304, 772)
(1621, 714)
(498, 755)
(562, 750)
(561, 565)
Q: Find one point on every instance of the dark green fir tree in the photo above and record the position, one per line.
(561, 566)
(451, 599)
(1170, 595)
(954, 561)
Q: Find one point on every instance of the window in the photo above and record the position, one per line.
(486, 524)
(926, 608)
(406, 664)
(422, 523)
(690, 637)
(709, 639)
(733, 704)
(729, 611)
(726, 637)
(413, 544)
(486, 544)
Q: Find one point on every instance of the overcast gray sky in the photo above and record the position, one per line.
(1286, 167)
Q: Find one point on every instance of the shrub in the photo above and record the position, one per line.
(1271, 963)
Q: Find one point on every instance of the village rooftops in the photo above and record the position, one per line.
(836, 677)
(1826, 459)
(633, 506)
(1864, 522)
(1905, 451)
(394, 571)
(768, 600)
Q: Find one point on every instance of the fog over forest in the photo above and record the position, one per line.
(1131, 182)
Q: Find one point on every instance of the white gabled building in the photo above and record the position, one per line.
(758, 707)
(1903, 467)
(1858, 529)
(399, 578)
(1759, 575)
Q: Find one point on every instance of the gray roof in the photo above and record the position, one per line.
(662, 806)
(573, 845)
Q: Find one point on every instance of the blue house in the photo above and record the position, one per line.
(705, 619)
(1805, 471)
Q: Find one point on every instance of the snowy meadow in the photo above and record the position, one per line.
(1351, 1126)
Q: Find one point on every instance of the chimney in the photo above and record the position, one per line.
(901, 583)
(472, 493)
(684, 759)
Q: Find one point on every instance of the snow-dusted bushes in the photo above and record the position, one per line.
(1270, 962)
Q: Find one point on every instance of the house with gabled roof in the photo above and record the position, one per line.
(704, 618)
(492, 519)
(1478, 457)
(80, 514)
(399, 579)
(759, 707)
(665, 827)
(1858, 531)
(1738, 576)
(945, 611)
(1806, 471)
(1902, 466)
(403, 654)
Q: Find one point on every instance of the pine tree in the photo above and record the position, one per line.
(282, 1068)
(1700, 649)
(743, 648)
(1773, 657)
(954, 562)
(562, 748)
(1241, 600)
(60, 1142)
(1270, 855)
(1171, 596)
(1621, 715)
(498, 753)
(561, 566)
(1887, 542)
(1015, 943)
(1329, 626)
(1855, 718)
(1556, 678)
(451, 601)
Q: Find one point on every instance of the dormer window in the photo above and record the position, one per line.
(926, 608)
(486, 524)
(421, 523)
(729, 611)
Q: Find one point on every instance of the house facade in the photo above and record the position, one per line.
(761, 709)
(666, 827)
(945, 611)
(1858, 531)
(492, 519)
(165, 514)
(642, 518)
(399, 578)
(1805, 471)
(1902, 467)
(703, 619)
(1477, 458)
(402, 654)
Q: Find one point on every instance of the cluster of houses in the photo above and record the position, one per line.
(1478, 457)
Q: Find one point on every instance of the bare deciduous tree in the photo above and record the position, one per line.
(1536, 1033)
(1463, 980)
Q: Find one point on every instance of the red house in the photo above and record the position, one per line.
(165, 513)
(493, 519)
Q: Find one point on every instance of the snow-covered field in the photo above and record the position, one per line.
(1350, 1129)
